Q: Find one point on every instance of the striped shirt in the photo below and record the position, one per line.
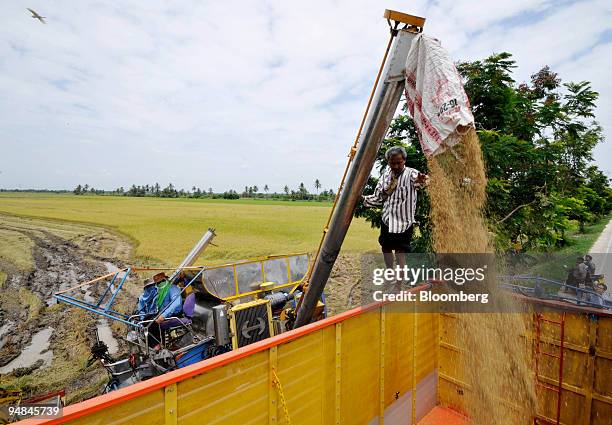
(399, 207)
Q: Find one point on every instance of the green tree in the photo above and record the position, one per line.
(169, 191)
(537, 140)
(302, 192)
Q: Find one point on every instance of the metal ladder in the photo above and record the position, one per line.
(538, 420)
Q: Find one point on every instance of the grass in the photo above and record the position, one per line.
(164, 230)
(551, 264)
(21, 299)
(31, 301)
(16, 249)
(581, 243)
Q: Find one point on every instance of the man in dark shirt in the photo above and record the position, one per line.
(588, 261)
(577, 275)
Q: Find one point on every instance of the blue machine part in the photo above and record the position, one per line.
(194, 354)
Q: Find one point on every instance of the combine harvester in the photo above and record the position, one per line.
(272, 357)
(224, 308)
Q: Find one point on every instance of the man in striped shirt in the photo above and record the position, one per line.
(396, 191)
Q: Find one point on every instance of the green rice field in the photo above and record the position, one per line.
(163, 230)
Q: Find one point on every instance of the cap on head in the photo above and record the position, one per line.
(149, 282)
(159, 277)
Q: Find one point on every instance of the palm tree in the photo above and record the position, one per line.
(317, 185)
(302, 192)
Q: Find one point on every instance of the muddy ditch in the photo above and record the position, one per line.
(45, 345)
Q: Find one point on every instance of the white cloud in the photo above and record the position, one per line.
(594, 67)
(236, 93)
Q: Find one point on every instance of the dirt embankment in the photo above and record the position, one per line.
(343, 289)
(41, 258)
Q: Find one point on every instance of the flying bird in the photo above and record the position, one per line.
(37, 16)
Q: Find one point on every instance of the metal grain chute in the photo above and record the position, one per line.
(384, 102)
(195, 252)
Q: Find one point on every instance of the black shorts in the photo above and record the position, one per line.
(395, 241)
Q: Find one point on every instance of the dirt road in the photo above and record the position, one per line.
(602, 255)
(343, 290)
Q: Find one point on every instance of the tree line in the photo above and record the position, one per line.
(301, 193)
(537, 140)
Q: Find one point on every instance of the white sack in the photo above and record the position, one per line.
(436, 99)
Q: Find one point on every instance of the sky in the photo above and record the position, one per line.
(228, 94)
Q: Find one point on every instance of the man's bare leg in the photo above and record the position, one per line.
(389, 262)
(400, 257)
(388, 256)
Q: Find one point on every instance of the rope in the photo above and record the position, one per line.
(279, 387)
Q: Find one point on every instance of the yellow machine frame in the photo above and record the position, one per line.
(261, 260)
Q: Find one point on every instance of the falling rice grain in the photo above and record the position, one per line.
(495, 360)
